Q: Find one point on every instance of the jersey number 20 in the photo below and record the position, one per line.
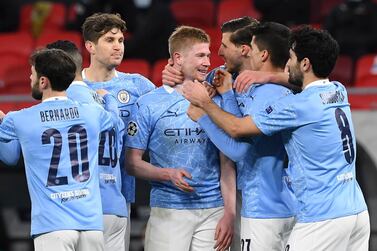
(73, 132)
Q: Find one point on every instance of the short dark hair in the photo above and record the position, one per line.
(55, 65)
(318, 46)
(99, 24)
(274, 38)
(237, 23)
(70, 48)
(243, 36)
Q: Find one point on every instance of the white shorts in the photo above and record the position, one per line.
(183, 230)
(114, 229)
(349, 233)
(70, 240)
(127, 234)
(265, 234)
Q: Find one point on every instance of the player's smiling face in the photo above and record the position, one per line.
(109, 49)
(195, 61)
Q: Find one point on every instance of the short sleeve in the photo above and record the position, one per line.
(139, 127)
(276, 117)
(7, 128)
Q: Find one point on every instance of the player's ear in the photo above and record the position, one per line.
(90, 47)
(177, 58)
(245, 50)
(44, 83)
(265, 55)
(305, 64)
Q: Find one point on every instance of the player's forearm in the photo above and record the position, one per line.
(111, 106)
(229, 146)
(228, 185)
(228, 122)
(282, 79)
(230, 103)
(137, 167)
(10, 152)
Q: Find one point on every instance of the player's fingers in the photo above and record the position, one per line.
(186, 174)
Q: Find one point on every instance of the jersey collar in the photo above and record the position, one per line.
(55, 98)
(320, 82)
(77, 82)
(83, 75)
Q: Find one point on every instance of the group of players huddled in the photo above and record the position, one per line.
(268, 127)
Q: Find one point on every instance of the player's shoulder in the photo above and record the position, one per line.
(153, 97)
(140, 80)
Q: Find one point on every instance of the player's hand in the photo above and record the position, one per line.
(246, 78)
(222, 81)
(195, 113)
(210, 89)
(102, 92)
(170, 75)
(196, 93)
(176, 176)
(2, 115)
(224, 232)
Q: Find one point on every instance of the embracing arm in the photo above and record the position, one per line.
(248, 77)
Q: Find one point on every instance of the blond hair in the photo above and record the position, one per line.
(184, 37)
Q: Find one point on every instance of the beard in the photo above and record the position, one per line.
(35, 93)
(296, 79)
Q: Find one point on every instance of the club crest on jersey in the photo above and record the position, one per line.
(123, 96)
(132, 128)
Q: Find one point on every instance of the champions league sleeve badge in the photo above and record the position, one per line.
(123, 96)
(132, 128)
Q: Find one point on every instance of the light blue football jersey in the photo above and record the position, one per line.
(10, 152)
(126, 88)
(260, 173)
(160, 125)
(59, 140)
(262, 177)
(260, 160)
(113, 201)
(318, 134)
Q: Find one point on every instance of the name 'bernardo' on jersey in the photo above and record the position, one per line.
(59, 114)
(186, 135)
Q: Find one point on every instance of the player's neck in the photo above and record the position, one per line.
(178, 88)
(51, 93)
(268, 67)
(309, 78)
(97, 73)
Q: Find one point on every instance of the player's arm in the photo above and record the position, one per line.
(10, 152)
(225, 227)
(248, 77)
(7, 128)
(136, 166)
(232, 125)
(232, 148)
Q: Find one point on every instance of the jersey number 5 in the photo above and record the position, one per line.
(346, 135)
(73, 132)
